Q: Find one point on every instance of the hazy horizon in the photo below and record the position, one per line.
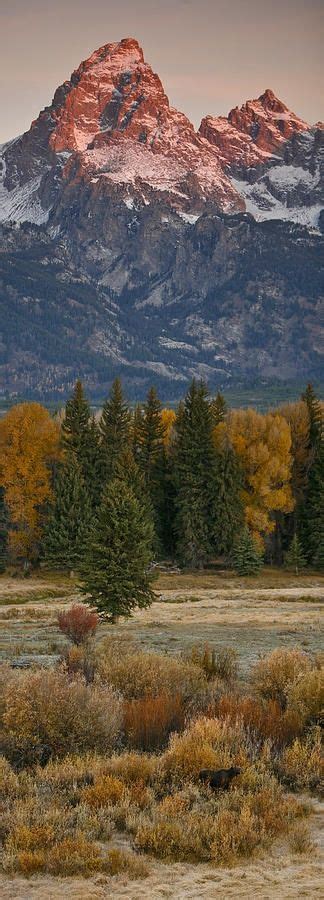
(210, 56)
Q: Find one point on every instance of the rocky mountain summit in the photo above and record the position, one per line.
(132, 243)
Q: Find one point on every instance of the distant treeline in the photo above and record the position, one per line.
(201, 481)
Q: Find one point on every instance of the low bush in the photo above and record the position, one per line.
(46, 712)
(216, 663)
(133, 767)
(137, 675)
(9, 783)
(274, 674)
(149, 722)
(107, 790)
(78, 623)
(300, 840)
(205, 744)
(221, 829)
(121, 862)
(306, 696)
(263, 719)
(301, 764)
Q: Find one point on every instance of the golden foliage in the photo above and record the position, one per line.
(168, 418)
(137, 674)
(274, 674)
(106, 790)
(206, 744)
(306, 695)
(148, 722)
(301, 763)
(29, 444)
(47, 708)
(263, 445)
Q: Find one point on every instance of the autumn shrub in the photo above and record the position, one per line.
(301, 764)
(78, 623)
(107, 790)
(221, 829)
(46, 709)
(216, 663)
(205, 744)
(136, 675)
(263, 719)
(133, 767)
(273, 675)
(306, 696)
(122, 862)
(300, 840)
(9, 784)
(149, 722)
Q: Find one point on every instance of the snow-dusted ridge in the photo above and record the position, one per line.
(110, 133)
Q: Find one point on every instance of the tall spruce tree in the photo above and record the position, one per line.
(312, 526)
(193, 473)
(294, 558)
(92, 463)
(219, 408)
(312, 513)
(315, 416)
(115, 568)
(67, 528)
(115, 430)
(227, 516)
(3, 531)
(246, 555)
(76, 422)
(151, 458)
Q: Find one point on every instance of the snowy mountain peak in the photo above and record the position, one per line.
(111, 132)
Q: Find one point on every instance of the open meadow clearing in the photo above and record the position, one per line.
(253, 616)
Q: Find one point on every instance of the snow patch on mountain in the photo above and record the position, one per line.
(22, 203)
(263, 205)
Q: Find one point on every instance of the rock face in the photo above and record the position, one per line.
(254, 132)
(274, 159)
(126, 247)
(112, 123)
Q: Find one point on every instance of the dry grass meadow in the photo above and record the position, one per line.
(251, 615)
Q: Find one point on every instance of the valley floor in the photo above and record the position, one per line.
(252, 615)
(277, 876)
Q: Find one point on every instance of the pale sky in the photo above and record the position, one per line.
(210, 54)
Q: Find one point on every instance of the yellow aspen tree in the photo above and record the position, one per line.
(263, 445)
(168, 418)
(29, 444)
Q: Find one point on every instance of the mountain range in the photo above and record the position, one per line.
(133, 244)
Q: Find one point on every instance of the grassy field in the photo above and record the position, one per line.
(252, 615)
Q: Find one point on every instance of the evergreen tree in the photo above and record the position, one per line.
(114, 429)
(294, 558)
(92, 464)
(312, 524)
(151, 459)
(115, 569)
(219, 408)
(136, 431)
(76, 422)
(3, 531)
(194, 467)
(228, 507)
(151, 433)
(70, 516)
(318, 559)
(246, 555)
(129, 472)
(315, 416)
